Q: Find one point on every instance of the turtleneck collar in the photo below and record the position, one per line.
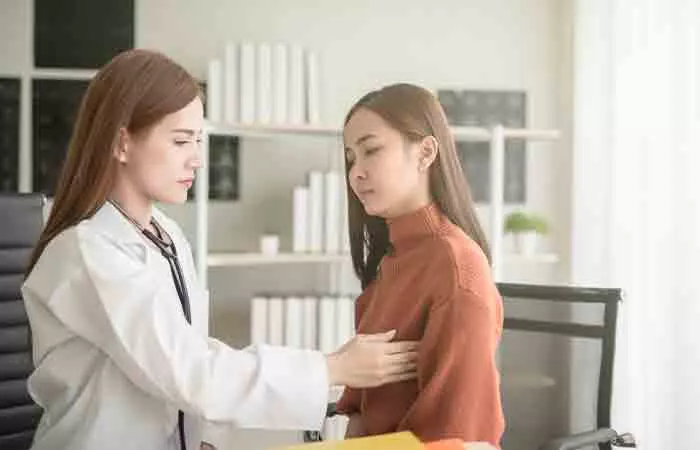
(423, 222)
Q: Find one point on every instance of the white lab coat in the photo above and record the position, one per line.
(115, 358)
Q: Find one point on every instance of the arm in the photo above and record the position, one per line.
(349, 402)
(349, 405)
(112, 300)
(458, 379)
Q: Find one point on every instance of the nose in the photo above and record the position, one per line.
(195, 161)
(357, 172)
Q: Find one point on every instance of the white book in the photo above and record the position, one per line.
(264, 86)
(280, 81)
(316, 201)
(258, 320)
(296, 85)
(293, 322)
(248, 84)
(214, 90)
(332, 214)
(275, 321)
(331, 429)
(300, 222)
(327, 321)
(310, 321)
(313, 97)
(345, 316)
(231, 105)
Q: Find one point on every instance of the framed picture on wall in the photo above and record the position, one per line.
(9, 134)
(55, 105)
(488, 108)
(224, 169)
(81, 33)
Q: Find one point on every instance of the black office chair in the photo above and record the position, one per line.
(558, 341)
(556, 361)
(21, 221)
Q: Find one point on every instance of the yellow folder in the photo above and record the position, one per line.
(404, 440)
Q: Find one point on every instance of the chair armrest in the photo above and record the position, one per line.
(581, 440)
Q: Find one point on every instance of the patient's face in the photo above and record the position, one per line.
(383, 166)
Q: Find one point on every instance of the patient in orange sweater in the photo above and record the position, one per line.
(421, 255)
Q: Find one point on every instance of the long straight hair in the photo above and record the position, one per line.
(416, 114)
(135, 90)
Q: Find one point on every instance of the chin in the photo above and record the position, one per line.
(173, 198)
(375, 210)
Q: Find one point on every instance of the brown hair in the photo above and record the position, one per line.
(416, 114)
(135, 90)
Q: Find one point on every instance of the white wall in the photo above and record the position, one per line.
(362, 45)
(489, 44)
(501, 44)
(15, 44)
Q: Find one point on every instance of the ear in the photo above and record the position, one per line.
(121, 149)
(428, 153)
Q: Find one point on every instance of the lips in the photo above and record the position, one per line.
(187, 182)
(364, 193)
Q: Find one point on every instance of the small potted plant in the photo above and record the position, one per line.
(525, 228)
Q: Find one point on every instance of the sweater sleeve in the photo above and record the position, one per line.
(458, 379)
(351, 399)
(349, 402)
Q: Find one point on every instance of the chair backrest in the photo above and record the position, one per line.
(21, 221)
(556, 361)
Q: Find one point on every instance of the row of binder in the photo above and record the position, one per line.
(322, 323)
(320, 215)
(262, 83)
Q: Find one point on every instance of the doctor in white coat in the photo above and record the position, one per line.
(117, 316)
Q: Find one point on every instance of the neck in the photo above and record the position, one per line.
(408, 208)
(138, 207)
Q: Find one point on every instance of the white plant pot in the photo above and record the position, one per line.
(526, 242)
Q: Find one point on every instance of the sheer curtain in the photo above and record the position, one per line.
(636, 202)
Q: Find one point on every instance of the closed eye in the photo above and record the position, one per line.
(183, 142)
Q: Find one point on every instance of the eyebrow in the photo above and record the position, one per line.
(364, 138)
(187, 131)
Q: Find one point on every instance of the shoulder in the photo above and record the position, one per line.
(464, 268)
(80, 252)
(456, 253)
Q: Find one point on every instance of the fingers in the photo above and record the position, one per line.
(379, 337)
(402, 347)
(401, 363)
(403, 358)
(398, 377)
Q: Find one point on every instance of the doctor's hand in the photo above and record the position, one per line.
(372, 360)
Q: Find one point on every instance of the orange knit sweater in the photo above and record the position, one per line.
(434, 286)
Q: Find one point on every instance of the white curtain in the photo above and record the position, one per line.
(636, 202)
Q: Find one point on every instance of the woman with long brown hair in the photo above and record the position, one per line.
(422, 258)
(122, 361)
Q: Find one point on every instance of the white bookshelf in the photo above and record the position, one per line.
(307, 130)
(497, 136)
(233, 259)
(260, 259)
(269, 131)
(535, 258)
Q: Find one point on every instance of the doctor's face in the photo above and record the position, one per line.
(160, 162)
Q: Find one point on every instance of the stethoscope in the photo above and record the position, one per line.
(165, 244)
